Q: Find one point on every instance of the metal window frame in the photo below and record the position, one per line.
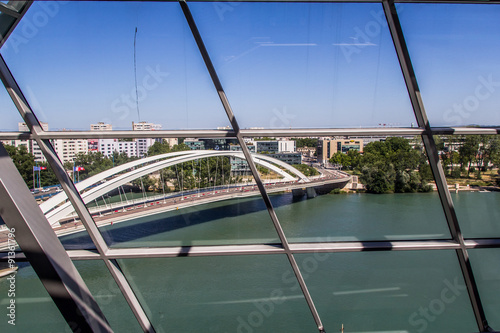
(435, 164)
(109, 256)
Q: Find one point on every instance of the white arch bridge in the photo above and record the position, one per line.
(58, 207)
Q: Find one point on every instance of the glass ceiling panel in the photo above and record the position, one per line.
(487, 276)
(358, 189)
(107, 295)
(314, 65)
(455, 50)
(34, 310)
(174, 195)
(247, 293)
(131, 62)
(390, 291)
(10, 117)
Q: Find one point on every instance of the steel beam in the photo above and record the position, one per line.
(18, 15)
(45, 253)
(252, 133)
(432, 154)
(69, 187)
(251, 163)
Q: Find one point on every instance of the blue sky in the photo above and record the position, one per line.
(282, 65)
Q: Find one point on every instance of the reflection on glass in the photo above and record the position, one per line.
(8, 113)
(140, 64)
(478, 213)
(359, 188)
(408, 291)
(296, 65)
(108, 296)
(220, 294)
(454, 50)
(34, 310)
(487, 276)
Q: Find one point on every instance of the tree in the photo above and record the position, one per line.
(305, 142)
(378, 179)
(306, 169)
(468, 151)
(159, 148)
(392, 165)
(23, 161)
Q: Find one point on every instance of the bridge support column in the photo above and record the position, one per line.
(298, 192)
(311, 192)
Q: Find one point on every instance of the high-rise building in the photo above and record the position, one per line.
(100, 126)
(329, 147)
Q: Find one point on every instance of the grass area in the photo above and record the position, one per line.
(488, 179)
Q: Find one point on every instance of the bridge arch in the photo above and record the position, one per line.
(54, 215)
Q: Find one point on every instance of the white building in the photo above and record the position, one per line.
(145, 126)
(143, 144)
(286, 146)
(67, 149)
(32, 146)
(108, 146)
(100, 126)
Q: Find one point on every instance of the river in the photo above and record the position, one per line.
(390, 291)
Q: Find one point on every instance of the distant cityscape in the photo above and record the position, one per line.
(284, 149)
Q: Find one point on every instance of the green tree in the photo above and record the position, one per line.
(23, 161)
(378, 178)
(306, 169)
(305, 142)
(159, 148)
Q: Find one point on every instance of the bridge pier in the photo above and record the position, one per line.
(311, 193)
(298, 192)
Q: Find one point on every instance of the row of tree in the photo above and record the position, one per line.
(463, 155)
(393, 165)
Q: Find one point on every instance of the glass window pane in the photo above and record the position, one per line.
(9, 114)
(454, 50)
(470, 163)
(360, 189)
(296, 65)
(139, 64)
(108, 296)
(487, 276)
(185, 194)
(396, 291)
(220, 294)
(34, 310)
(478, 213)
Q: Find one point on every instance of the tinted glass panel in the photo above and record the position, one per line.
(295, 65)
(139, 64)
(487, 275)
(359, 188)
(220, 294)
(420, 291)
(454, 50)
(8, 112)
(178, 195)
(108, 295)
(33, 310)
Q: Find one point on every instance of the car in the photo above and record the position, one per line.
(34, 191)
(45, 189)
